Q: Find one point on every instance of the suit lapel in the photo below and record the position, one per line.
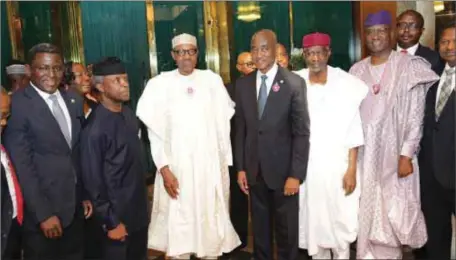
(251, 95)
(45, 114)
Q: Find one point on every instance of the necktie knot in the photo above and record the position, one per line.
(450, 72)
(53, 98)
(404, 51)
(263, 78)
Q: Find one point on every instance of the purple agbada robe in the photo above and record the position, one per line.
(390, 212)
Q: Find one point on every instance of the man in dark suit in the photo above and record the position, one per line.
(272, 148)
(113, 166)
(409, 28)
(42, 138)
(239, 204)
(12, 200)
(437, 155)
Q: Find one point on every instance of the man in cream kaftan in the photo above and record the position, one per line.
(187, 112)
(328, 219)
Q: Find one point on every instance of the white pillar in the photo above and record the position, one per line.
(426, 8)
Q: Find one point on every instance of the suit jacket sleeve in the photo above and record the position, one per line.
(100, 164)
(240, 133)
(300, 127)
(18, 142)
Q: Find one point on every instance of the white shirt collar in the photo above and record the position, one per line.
(447, 67)
(43, 94)
(271, 73)
(412, 50)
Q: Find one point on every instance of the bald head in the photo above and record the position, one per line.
(4, 107)
(263, 49)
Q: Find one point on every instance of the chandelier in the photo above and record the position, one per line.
(248, 11)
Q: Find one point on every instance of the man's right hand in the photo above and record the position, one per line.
(170, 182)
(51, 227)
(242, 181)
(119, 233)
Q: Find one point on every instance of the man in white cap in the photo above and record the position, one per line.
(18, 75)
(187, 112)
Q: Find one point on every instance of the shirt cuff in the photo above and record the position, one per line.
(408, 150)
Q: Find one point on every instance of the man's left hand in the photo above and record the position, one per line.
(405, 166)
(88, 208)
(291, 186)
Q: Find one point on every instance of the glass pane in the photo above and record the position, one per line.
(174, 18)
(333, 18)
(251, 16)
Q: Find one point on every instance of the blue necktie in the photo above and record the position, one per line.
(263, 96)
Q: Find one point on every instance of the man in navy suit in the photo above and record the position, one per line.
(42, 139)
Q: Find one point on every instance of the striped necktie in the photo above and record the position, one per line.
(445, 93)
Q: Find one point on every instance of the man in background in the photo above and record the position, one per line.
(409, 28)
(282, 57)
(18, 75)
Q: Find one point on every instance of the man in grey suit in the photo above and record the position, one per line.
(272, 147)
(43, 139)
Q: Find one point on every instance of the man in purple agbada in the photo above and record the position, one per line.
(390, 214)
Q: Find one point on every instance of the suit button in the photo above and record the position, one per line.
(260, 132)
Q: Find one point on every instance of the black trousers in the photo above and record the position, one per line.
(69, 246)
(438, 205)
(272, 208)
(133, 248)
(239, 209)
(93, 239)
(13, 249)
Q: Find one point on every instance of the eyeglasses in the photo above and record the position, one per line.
(48, 69)
(410, 26)
(248, 64)
(181, 53)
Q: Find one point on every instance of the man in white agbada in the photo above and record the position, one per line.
(328, 218)
(187, 112)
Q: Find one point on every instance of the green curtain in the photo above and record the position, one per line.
(37, 20)
(119, 29)
(274, 16)
(334, 18)
(6, 44)
(173, 18)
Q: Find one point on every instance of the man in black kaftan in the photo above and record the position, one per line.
(112, 164)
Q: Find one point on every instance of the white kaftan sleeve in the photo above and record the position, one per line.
(225, 111)
(355, 135)
(152, 110)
